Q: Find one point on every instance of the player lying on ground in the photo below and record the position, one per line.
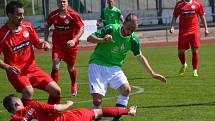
(37, 111)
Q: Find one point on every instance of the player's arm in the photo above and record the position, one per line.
(94, 39)
(148, 68)
(173, 22)
(203, 20)
(46, 33)
(59, 108)
(8, 68)
(72, 42)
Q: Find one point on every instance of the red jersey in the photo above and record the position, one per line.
(37, 111)
(65, 27)
(188, 12)
(17, 46)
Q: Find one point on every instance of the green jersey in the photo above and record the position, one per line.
(113, 53)
(111, 16)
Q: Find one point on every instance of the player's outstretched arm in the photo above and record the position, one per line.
(59, 108)
(148, 68)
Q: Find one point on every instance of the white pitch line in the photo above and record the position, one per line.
(139, 90)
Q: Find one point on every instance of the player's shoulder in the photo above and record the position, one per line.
(53, 13)
(179, 3)
(197, 2)
(27, 24)
(4, 31)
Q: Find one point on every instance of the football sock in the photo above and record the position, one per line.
(182, 58)
(25, 101)
(54, 100)
(55, 75)
(114, 111)
(195, 60)
(116, 118)
(73, 76)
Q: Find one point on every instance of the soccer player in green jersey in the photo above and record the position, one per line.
(113, 43)
(110, 14)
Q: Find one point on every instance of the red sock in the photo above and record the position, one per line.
(25, 101)
(73, 76)
(55, 75)
(182, 58)
(54, 100)
(195, 60)
(114, 111)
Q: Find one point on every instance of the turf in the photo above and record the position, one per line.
(184, 98)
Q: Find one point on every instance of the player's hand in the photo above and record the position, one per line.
(69, 103)
(13, 70)
(172, 30)
(160, 77)
(107, 38)
(46, 46)
(71, 43)
(206, 33)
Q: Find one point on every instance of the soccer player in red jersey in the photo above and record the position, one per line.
(16, 40)
(38, 111)
(189, 32)
(68, 27)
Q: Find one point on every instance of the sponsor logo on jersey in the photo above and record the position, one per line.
(21, 45)
(188, 12)
(193, 6)
(26, 34)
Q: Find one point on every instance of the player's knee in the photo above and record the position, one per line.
(125, 91)
(28, 92)
(97, 102)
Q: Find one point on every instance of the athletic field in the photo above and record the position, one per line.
(184, 98)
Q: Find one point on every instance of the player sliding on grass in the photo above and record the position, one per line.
(113, 43)
(17, 38)
(189, 33)
(37, 111)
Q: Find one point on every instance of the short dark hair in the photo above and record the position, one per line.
(8, 103)
(12, 6)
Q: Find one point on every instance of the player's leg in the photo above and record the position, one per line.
(114, 111)
(122, 100)
(55, 69)
(69, 56)
(27, 94)
(195, 44)
(22, 85)
(97, 83)
(183, 45)
(54, 92)
(43, 81)
(182, 58)
(73, 73)
(195, 61)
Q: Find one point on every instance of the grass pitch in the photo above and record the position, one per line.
(184, 98)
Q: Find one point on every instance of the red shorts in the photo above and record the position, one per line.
(79, 115)
(36, 78)
(190, 40)
(65, 53)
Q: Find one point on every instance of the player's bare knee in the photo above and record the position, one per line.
(125, 90)
(28, 92)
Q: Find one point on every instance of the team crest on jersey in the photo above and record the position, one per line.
(66, 21)
(193, 6)
(26, 34)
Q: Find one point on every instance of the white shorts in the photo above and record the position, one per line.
(102, 76)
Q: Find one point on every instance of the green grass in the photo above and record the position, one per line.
(181, 99)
